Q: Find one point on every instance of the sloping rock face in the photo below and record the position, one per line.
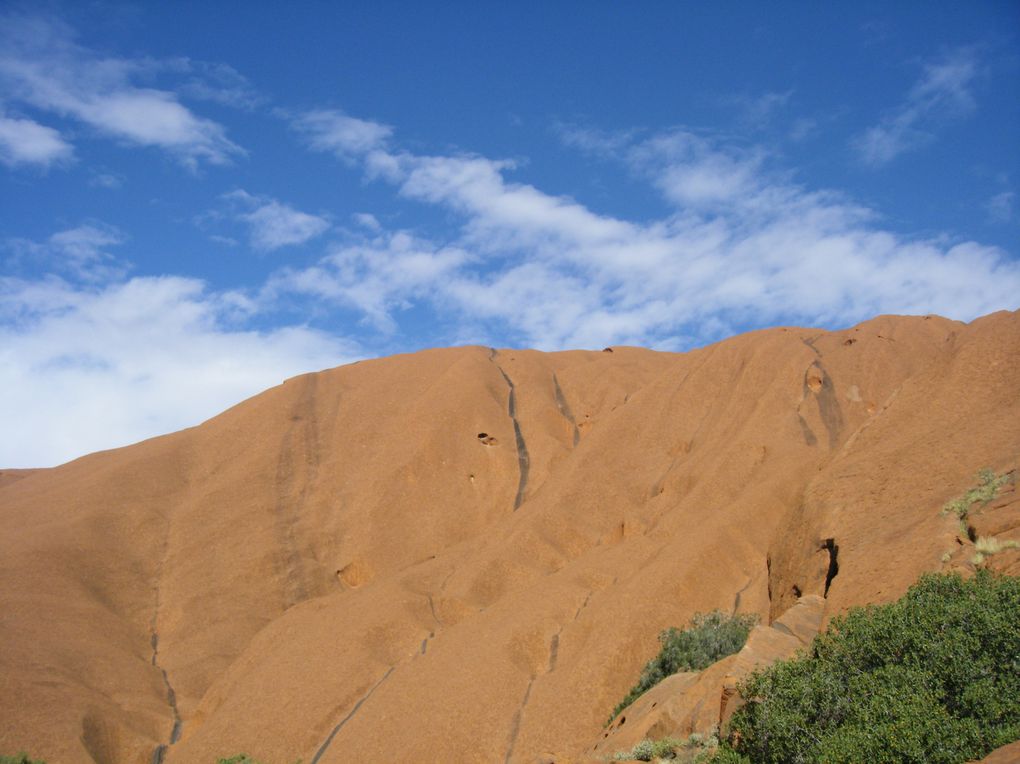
(467, 554)
(702, 702)
(1007, 754)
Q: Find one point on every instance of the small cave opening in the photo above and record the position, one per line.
(833, 571)
(483, 435)
(796, 591)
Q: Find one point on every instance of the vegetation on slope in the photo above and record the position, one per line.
(710, 637)
(987, 488)
(933, 677)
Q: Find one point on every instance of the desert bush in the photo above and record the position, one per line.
(933, 677)
(20, 758)
(709, 637)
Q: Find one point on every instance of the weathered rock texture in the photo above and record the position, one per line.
(467, 555)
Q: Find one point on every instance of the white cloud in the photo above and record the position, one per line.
(367, 220)
(803, 127)
(592, 140)
(756, 112)
(23, 141)
(691, 171)
(943, 92)
(376, 277)
(84, 369)
(106, 180)
(272, 224)
(216, 82)
(1000, 207)
(80, 252)
(743, 247)
(334, 131)
(42, 66)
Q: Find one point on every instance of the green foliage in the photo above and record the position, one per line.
(21, 758)
(934, 677)
(709, 637)
(987, 488)
(241, 758)
(725, 755)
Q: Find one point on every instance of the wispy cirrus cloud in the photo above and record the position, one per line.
(744, 246)
(272, 224)
(756, 112)
(25, 141)
(41, 66)
(81, 253)
(943, 92)
(1000, 207)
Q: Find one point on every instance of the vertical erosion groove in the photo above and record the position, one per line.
(515, 725)
(171, 701)
(554, 650)
(350, 714)
(171, 697)
(564, 407)
(296, 470)
(523, 460)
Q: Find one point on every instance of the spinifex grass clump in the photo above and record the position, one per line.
(710, 636)
(986, 489)
(932, 678)
(695, 748)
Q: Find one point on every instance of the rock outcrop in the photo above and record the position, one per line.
(344, 569)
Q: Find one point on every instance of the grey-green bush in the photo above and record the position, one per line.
(709, 637)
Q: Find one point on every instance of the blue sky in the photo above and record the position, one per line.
(198, 200)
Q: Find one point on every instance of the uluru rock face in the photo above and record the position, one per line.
(468, 554)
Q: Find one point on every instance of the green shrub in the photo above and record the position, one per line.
(934, 677)
(21, 758)
(709, 637)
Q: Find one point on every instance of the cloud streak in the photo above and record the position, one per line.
(943, 92)
(42, 66)
(24, 141)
